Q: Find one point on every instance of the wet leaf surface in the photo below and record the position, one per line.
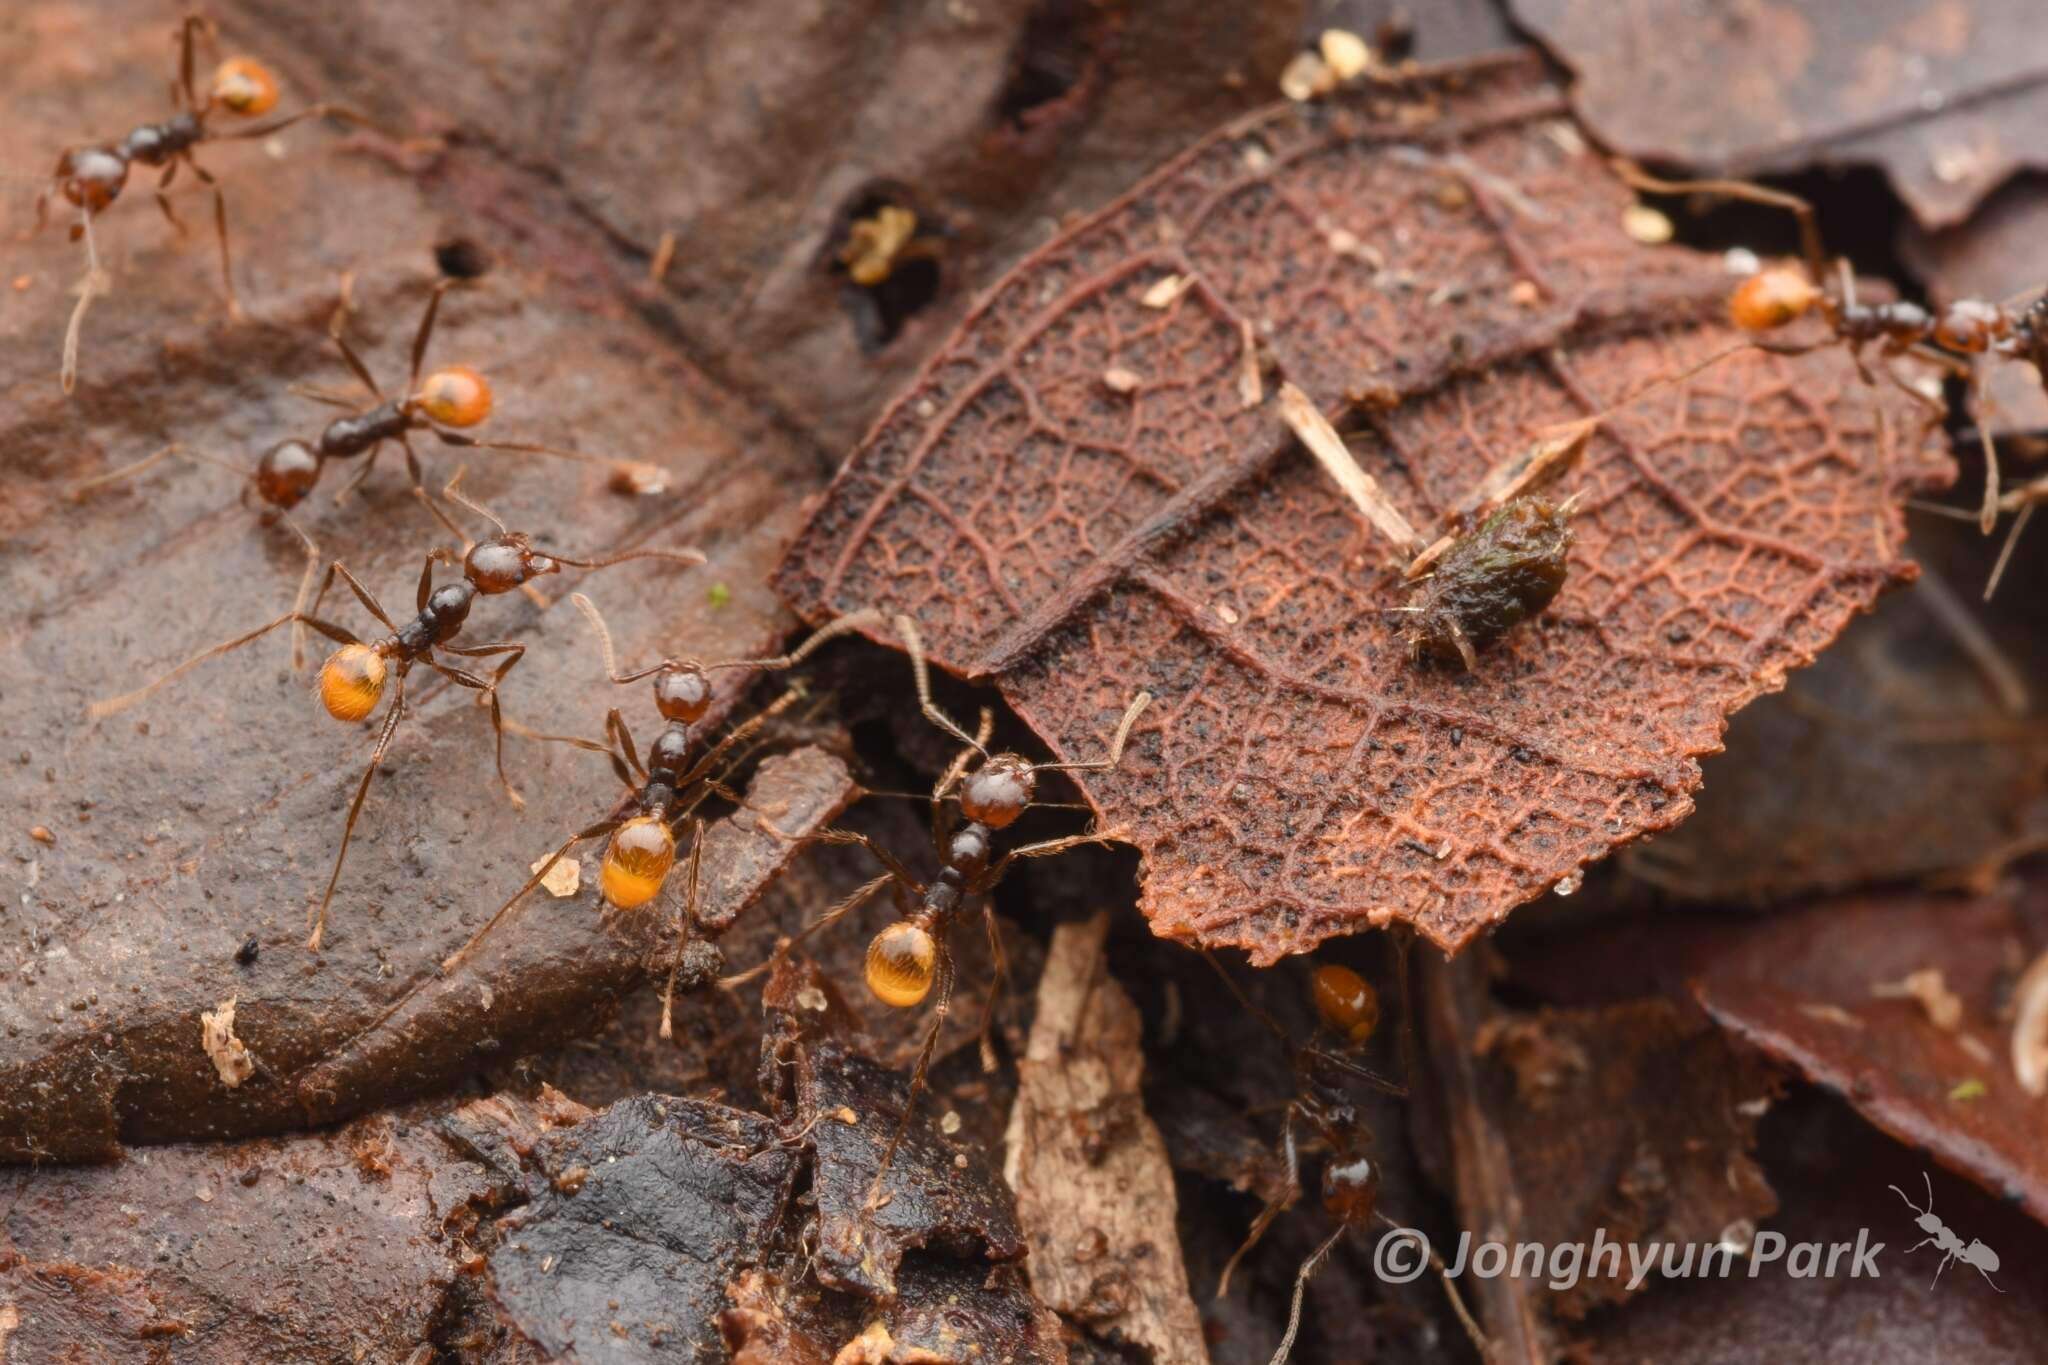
(1298, 776)
(1945, 97)
(1791, 988)
(639, 1217)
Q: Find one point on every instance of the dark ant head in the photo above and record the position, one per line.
(454, 396)
(998, 791)
(1773, 298)
(901, 963)
(286, 473)
(91, 178)
(352, 681)
(1345, 1002)
(682, 692)
(245, 87)
(505, 562)
(637, 861)
(1351, 1189)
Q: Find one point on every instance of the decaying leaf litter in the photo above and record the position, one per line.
(1485, 297)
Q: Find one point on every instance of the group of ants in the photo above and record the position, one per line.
(668, 783)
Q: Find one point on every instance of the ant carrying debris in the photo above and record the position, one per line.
(1958, 337)
(91, 177)
(453, 396)
(353, 679)
(909, 961)
(663, 793)
(1349, 1009)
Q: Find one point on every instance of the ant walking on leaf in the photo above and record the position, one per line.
(447, 399)
(1349, 1010)
(353, 680)
(91, 177)
(909, 961)
(1959, 337)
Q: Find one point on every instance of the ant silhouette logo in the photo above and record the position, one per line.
(1976, 1255)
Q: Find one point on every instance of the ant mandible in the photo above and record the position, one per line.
(1349, 1008)
(453, 396)
(909, 959)
(1964, 332)
(663, 790)
(353, 679)
(91, 177)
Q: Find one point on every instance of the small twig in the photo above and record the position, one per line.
(1314, 431)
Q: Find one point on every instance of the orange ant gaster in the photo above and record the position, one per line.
(353, 680)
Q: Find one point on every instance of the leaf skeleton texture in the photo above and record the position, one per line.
(1441, 267)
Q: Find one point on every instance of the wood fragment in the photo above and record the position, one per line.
(1095, 1192)
(1164, 292)
(217, 1036)
(2030, 1029)
(1944, 1008)
(1543, 462)
(1251, 388)
(664, 256)
(1314, 431)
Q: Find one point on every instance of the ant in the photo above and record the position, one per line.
(91, 177)
(1964, 331)
(453, 396)
(909, 959)
(1349, 1008)
(1976, 1255)
(663, 790)
(353, 679)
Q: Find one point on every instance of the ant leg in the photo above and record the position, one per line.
(1116, 745)
(1980, 395)
(163, 200)
(362, 593)
(112, 705)
(1465, 1319)
(128, 471)
(342, 493)
(997, 988)
(305, 586)
(855, 838)
(668, 994)
(412, 464)
(639, 471)
(602, 827)
(2012, 537)
(917, 1077)
(514, 653)
(1043, 849)
(452, 491)
(1809, 224)
(337, 111)
(425, 332)
(737, 735)
(1275, 1206)
(320, 395)
(849, 903)
(220, 228)
(391, 719)
(186, 30)
(1309, 1267)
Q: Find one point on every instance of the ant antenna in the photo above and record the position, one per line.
(913, 645)
(832, 630)
(67, 374)
(1116, 744)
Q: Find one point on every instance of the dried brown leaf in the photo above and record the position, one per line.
(1299, 773)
